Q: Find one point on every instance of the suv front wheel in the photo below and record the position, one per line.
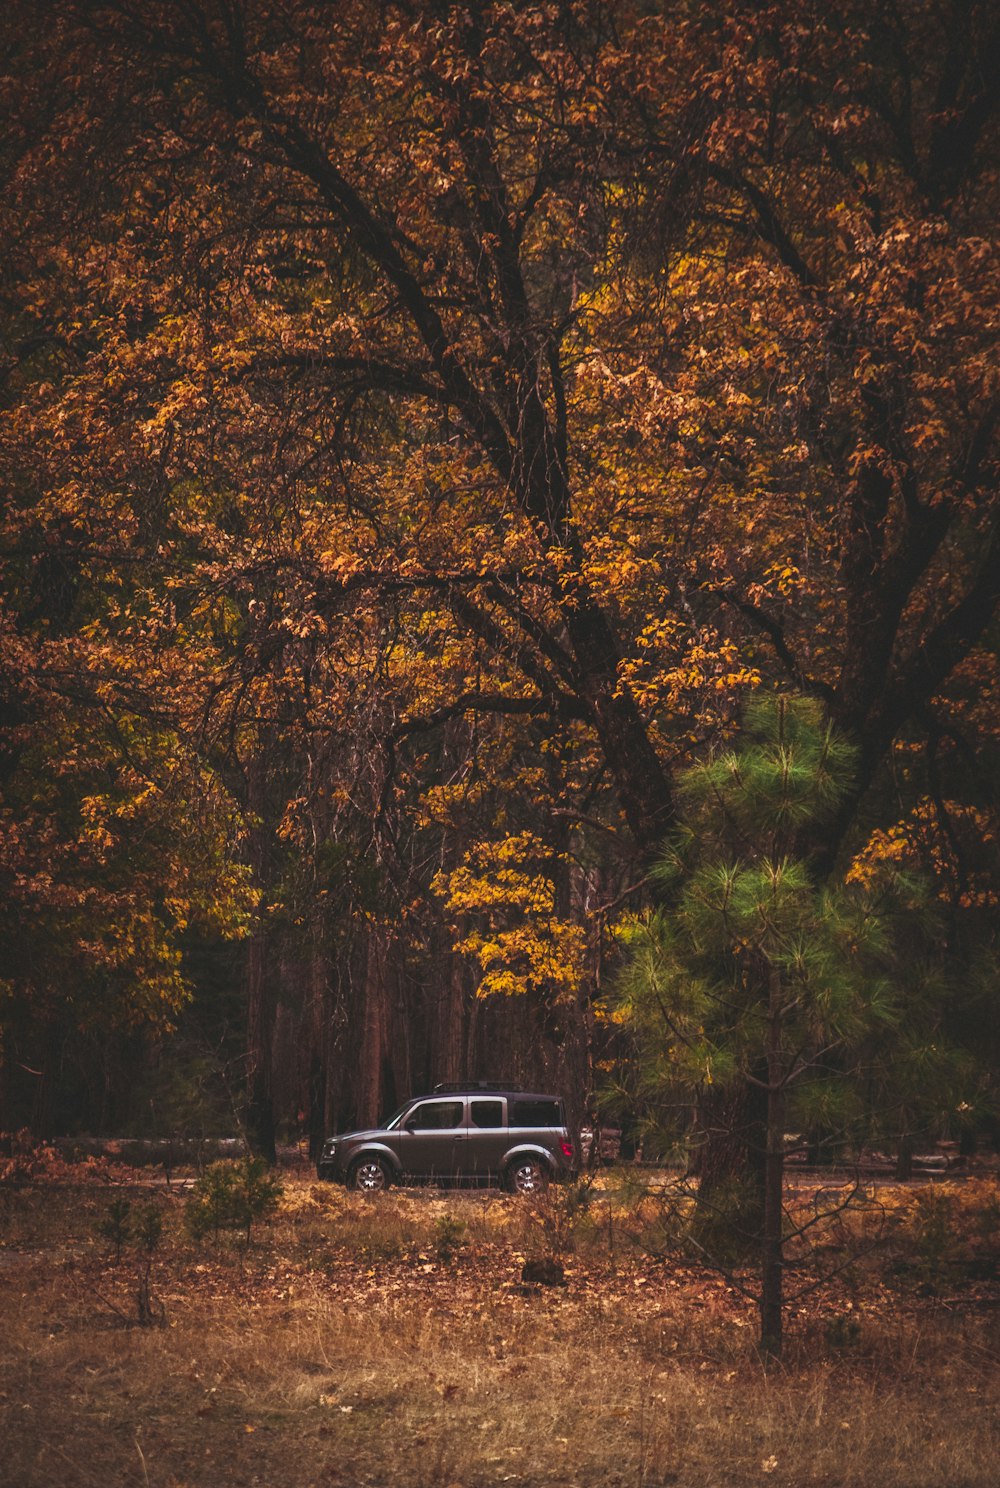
(369, 1175)
(526, 1175)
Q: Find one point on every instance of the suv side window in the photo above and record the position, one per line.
(486, 1113)
(436, 1116)
(535, 1113)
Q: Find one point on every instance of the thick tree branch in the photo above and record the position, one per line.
(774, 628)
(770, 227)
(561, 705)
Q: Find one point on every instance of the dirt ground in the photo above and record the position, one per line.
(393, 1342)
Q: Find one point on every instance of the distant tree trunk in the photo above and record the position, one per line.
(904, 1158)
(345, 973)
(8, 1120)
(773, 1249)
(374, 1027)
(316, 1022)
(43, 1104)
(449, 1046)
(471, 1038)
(330, 1055)
(578, 1088)
(260, 1018)
(260, 1012)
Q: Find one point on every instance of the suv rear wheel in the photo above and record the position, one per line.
(527, 1175)
(369, 1175)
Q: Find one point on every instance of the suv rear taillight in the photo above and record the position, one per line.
(567, 1149)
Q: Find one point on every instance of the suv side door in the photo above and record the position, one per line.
(433, 1138)
(488, 1137)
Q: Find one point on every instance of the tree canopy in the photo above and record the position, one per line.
(426, 425)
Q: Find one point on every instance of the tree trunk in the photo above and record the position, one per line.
(773, 1248)
(318, 1016)
(730, 1163)
(904, 1158)
(375, 1026)
(260, 1015)
(43, 1105)
(260, 1011)
(346, 971)
(448, 1058)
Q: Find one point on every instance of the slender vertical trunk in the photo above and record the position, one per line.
(449, 1050)
(43, 1105)
(772, 1269)
(316, 1031)
(374, 1029)
(260, 1017)
(8, 1121)
(332, 1056)
(260, 1011)
(472, 1039)
(904, 1158)
(578, 1084)
(345, 1026)
(730, 1160)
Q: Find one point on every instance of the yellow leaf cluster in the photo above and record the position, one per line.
(502, 903)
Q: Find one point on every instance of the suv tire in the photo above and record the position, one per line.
(369, 1175)
(526, 1175)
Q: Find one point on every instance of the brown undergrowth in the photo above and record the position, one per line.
(392, 1341)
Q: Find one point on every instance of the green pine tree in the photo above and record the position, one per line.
(763, 992)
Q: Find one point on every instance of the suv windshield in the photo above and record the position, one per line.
(396, 1117)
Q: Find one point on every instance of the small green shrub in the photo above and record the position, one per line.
(563, 1216)
(842, 1331)
(147, 1228)
(232, 1196)
(449, 1238)
(375, 1248)
(147, 1232)
(935, 1214)
(144, 1229)
(116, 1225)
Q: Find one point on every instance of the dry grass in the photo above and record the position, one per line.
(341, 1349)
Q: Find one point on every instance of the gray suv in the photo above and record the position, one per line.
(469, 1132)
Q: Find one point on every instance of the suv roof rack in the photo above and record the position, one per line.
(454, 1086)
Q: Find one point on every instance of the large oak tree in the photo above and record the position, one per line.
(502, 392)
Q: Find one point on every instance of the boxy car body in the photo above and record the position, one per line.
(472, 1134)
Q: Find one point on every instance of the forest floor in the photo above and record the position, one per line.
(391, 1341)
